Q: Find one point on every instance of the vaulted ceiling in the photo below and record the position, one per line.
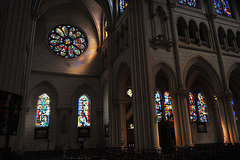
(94, 8)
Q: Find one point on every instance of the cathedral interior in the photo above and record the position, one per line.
(119, 79)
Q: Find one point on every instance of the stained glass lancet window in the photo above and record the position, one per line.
(67, 41)
(202, 108)
(43, 111)
(122, 5)
(192, 108)
(233, 106)
(168, 107)
(223, 7)
(158, 106)
(84, 111)
(192, 3)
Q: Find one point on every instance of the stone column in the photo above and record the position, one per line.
(15, 51)
(178, 134)
(143, 95)
(183, 94)
(123, 122)
(226, 99)
(223, 119)
(234, 137)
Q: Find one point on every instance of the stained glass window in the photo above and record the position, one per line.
(84, 111)
(233, 106)
(158, 106)
(202, 108)
(43, 110)
(122, 5)
(223, 7)
(192, 108)
(67, 41)
(167, 103)
(192, 3)
(129, 92)
(105, 28)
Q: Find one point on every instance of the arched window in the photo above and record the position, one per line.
(231, 40)
(223, 7)
(222, 38)
(199, 113)
(122, 5)
(163, 105)
(105, 28)
(182, 30)
(67, 41)
(193, 32)
(158, 105)
(192, 3)
(168, 107)
(238, 40)
(204, 36)
(202, 108)
(233, 106)
(43, 111)
(84, 105)
(192, 108)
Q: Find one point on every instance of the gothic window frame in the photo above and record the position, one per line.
(193, 33)
(105, 26)
(222, 38)
(219, 5)
(84, 131)
(122, 8)
(163, 108)
(231, 39)
(182, 30)
(66, 43)
(196, 99)
(41, 131)
(189, 3)
(204, 35)
(238, 40)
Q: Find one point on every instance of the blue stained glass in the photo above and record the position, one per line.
(84, 111)
(168, 107)
(202, 108)
(192, 108)
(43, 111)
(122, 5)
(223, 7)
(67, 41)
(158, 106)
(233, 106)
(192, 3)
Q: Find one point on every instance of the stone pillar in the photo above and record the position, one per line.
(232, 126)
(226, 98)
(143, 95)
(14, 44)
(183, 94)
(223, 120)
(123, 124)
(15, 51)
(176, 118)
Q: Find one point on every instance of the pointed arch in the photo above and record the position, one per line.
(123, 80)
(182, 29)
(193, 31)
(201, 66)
(222, 38)
(169, 71)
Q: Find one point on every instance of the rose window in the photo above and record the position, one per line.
(67, 41)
